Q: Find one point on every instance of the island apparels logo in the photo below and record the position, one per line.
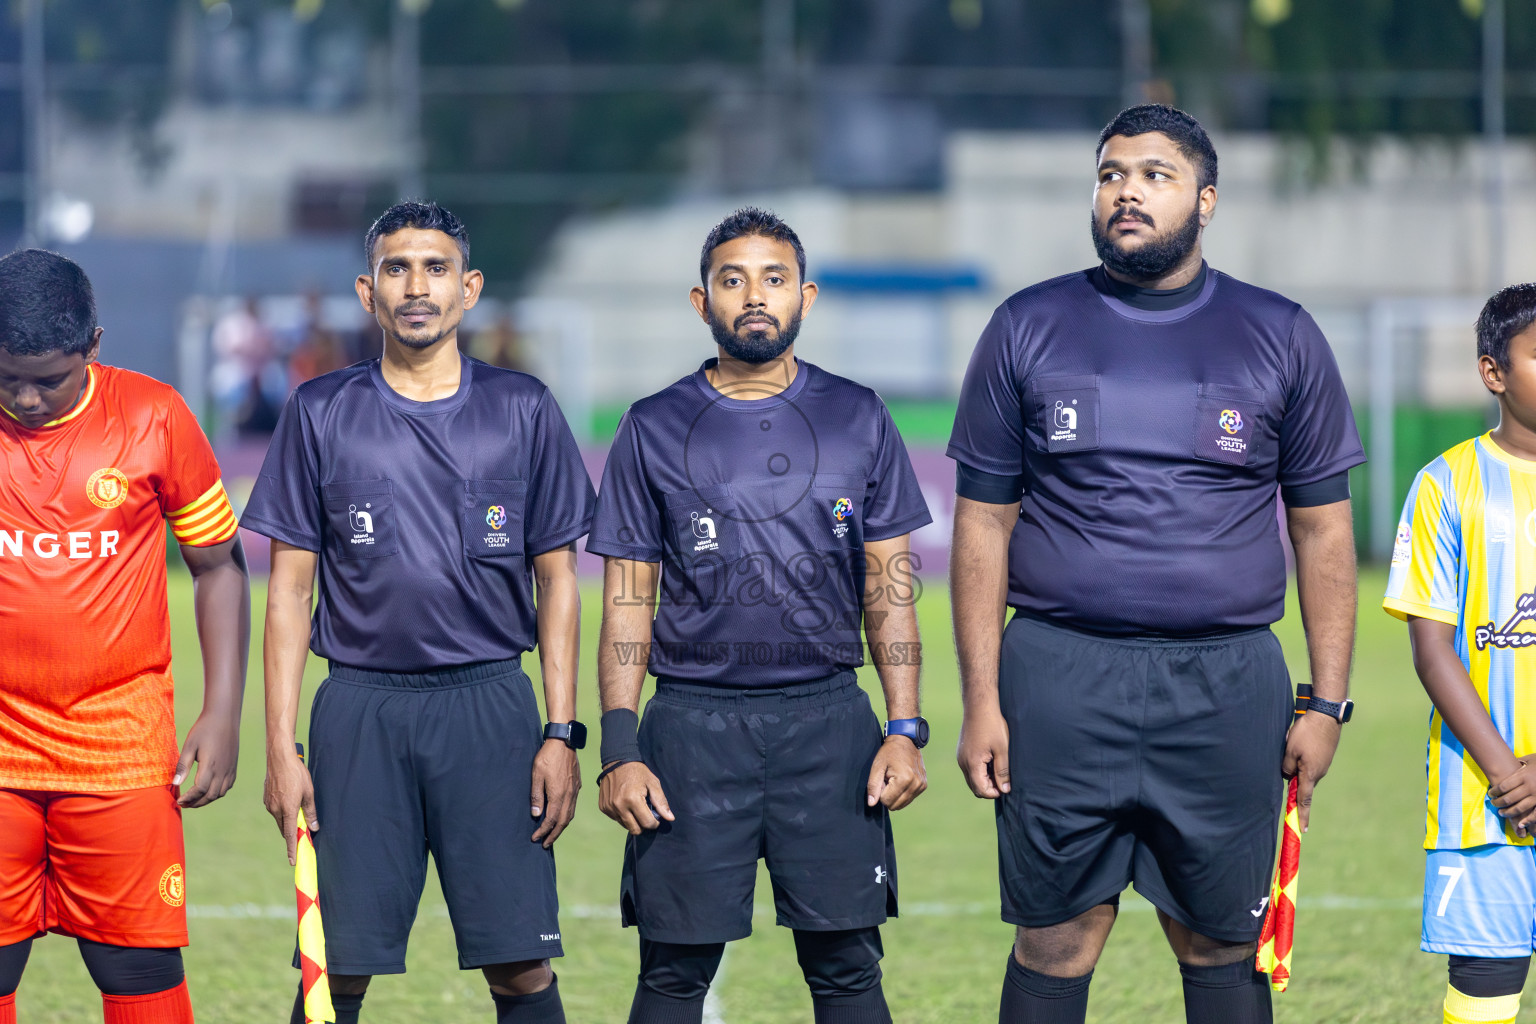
(1504, 637)
(1064, 421)
(704, 532)
(361, 521)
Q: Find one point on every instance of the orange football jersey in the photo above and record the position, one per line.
(86, 697)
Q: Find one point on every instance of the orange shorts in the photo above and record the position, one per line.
(100, 866)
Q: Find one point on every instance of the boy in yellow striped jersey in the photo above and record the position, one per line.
(1464, 577)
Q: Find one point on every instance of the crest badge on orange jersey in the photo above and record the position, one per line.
(107, 488)
(173, 886)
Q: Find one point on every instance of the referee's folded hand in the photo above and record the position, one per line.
(631, 795)
(983, 753)
(556, 781)
(288, 788)
(897, 777)
(1309, 750)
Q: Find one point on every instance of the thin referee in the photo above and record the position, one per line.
(772, 501)
(430, 491)
(1121, 436)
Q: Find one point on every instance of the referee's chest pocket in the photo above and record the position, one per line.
(1066, 413)
(1229, 423)
(361, 517)
(493, 518)
(701, 526)
(835, 513)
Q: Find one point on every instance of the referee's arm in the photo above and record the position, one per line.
(978, 594)
(628, 791)
(1323, 538)
(556, 772)
(897, 776)
(285, 645)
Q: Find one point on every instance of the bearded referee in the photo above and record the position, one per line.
(772, 502)
(1121, 437)
(430, 493)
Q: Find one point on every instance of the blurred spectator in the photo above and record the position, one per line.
(319, 349)
(500, 344)
(248, 384)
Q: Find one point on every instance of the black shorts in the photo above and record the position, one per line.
(406, 763)
(1153, 762)
(779, 774)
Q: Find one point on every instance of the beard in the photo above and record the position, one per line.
(1153, 258)
(420, 341)
(755, 345)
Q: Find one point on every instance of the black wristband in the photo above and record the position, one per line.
(615, 766)
(621, 736)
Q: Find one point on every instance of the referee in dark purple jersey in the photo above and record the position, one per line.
(436, 502)
(771, 502)
(1121, 438)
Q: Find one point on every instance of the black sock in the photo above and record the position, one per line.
(867, 1007)
(13, 960)
(1229, 994)
(347, 1007)
(652, 1007)
(541, 1007)
(1033, 998)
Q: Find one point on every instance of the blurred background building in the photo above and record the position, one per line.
(214, 164)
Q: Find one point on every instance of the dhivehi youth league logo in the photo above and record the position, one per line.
(496, 517)
(1230, 420)
(842, 508)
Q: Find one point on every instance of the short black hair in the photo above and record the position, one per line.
(46, 304)
(1187, 134)
(1510, 311)
(749, 220)
(426, 216)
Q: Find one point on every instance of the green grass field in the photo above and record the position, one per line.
(1357, 956)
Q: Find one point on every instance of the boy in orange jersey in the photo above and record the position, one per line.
(94, 461)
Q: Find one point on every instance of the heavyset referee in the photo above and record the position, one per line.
(1121, 436)
(429, 492)
(771, 502)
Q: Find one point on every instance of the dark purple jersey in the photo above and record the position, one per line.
(758, 511)
(1151, 445)
(426, 515)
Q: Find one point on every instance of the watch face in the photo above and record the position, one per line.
(922, 733)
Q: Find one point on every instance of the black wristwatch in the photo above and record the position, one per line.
(573, 734)
(914, 729)
(1340, 711)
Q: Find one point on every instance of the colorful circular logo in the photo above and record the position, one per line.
(842, 508)
(107, 488)
(496, 517)
(1231, 420)
(173, 887)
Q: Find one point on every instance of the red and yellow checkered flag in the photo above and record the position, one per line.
(1277, 936)
(306, 882)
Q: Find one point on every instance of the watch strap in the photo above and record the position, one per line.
(1340, 711)
(912, 728)
(573, 734)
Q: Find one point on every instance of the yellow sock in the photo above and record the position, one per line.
(1461, 1008)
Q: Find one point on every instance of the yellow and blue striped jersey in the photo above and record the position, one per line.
(1466, 555)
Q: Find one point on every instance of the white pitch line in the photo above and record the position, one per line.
(600, 911)
(713, 1014)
